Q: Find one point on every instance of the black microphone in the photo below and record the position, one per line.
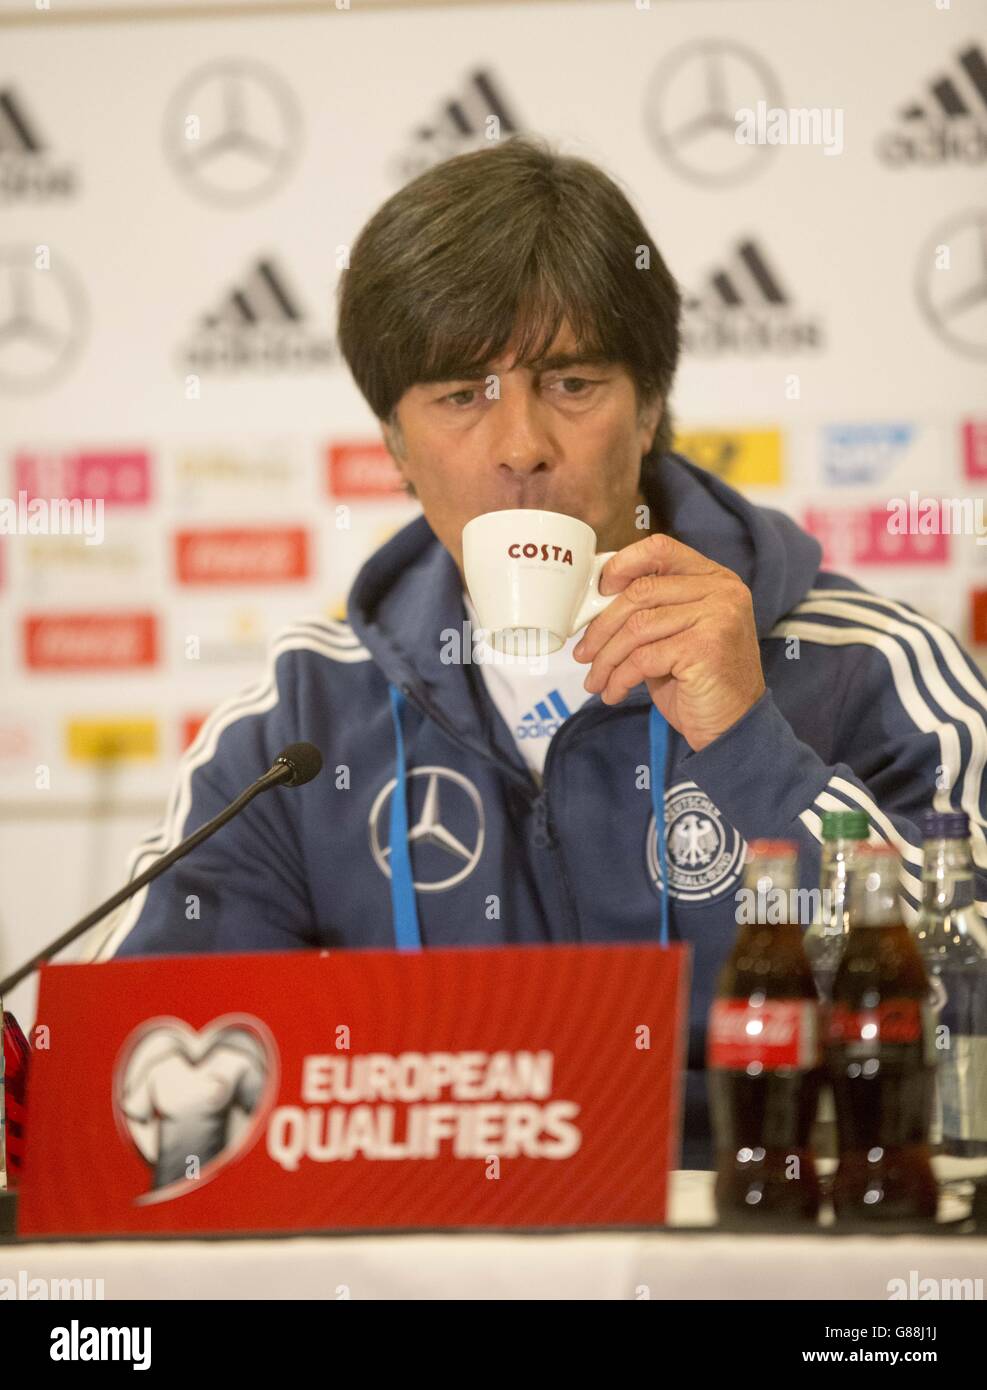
(304, 761)
(293, 767)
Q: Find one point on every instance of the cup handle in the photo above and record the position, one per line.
(593, 601)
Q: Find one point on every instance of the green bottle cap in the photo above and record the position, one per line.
(845, 825)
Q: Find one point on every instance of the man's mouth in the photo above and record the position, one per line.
(527, 493)
(530, 498)
(528, 505)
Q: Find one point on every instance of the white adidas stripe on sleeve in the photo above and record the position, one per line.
(893, 631)
(335, 641)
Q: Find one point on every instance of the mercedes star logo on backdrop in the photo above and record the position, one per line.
(42, 317)
(249, 131)
(954, 299)
(691, 104)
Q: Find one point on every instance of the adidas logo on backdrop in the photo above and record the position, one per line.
(744, 307)
(260, 325)
(948, 124)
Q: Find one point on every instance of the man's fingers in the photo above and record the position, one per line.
(644, 626)
(646, 591)
(652, 555)
(658, 658)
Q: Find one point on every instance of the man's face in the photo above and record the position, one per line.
(566, 437)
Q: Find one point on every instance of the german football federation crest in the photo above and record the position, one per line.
(705, 854)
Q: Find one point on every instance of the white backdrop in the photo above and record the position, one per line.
(846, 366)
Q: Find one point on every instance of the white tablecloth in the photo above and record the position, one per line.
(669, 1265)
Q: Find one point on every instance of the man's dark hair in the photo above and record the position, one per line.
(511, 239)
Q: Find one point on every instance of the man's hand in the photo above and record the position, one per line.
(684, 626)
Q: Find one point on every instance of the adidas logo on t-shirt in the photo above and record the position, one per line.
(542, 721)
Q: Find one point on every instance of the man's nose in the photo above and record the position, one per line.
(522, 443)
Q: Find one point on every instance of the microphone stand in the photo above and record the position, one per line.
(280, 772)
(294, 766)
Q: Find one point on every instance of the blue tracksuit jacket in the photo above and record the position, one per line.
(869, 706)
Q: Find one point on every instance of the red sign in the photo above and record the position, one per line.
(868, 536)
(978, 616)
(975, 448)
(890, 1021)
(17, 739)
(778, 1034)
(363, 469)
(89, 641)
(519, 1086)
(190, 726)
(119, 479)
(249, 555)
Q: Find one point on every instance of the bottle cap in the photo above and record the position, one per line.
(845, 825)
(944, 825)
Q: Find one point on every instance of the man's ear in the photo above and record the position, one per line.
(393, 443)
(649, 418)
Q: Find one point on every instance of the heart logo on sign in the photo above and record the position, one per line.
(191, 1103)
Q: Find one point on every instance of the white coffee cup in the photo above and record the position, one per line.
(533, 577)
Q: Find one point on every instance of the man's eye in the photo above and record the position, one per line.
(583, 386)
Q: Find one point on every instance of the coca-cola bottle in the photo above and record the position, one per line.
(880, 1053)
(15, 1054)
(763, 1054)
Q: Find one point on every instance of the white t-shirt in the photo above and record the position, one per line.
(534, 696)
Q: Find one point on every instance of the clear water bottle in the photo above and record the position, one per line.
(824, 940)
(952, 937)
(843, 833)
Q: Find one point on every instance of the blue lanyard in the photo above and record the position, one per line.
(404, 910)
(658, 739)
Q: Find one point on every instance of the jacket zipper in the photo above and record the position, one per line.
(544, 817)
(536, 794)
(544, 836)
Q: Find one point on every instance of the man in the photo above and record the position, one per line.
(515, 330)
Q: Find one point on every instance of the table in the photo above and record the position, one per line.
(671, 1264)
